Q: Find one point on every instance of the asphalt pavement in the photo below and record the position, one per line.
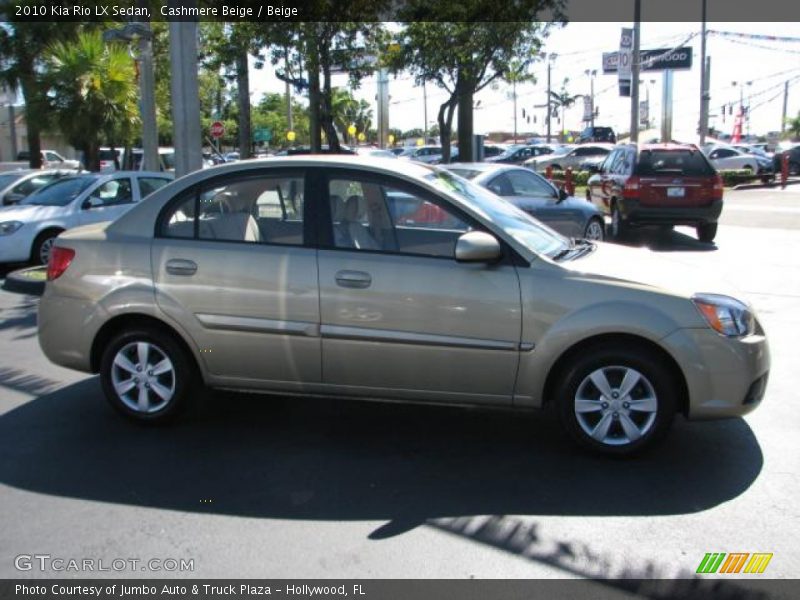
(255, 486)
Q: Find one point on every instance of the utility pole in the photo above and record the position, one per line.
(289, 120)
(425, 111)
(185, 95)
(704, 87)
(383, 107)
(637, 17)
(12, 126)
(591, 73)
(514, 94)
(785, 105)
(549, 104)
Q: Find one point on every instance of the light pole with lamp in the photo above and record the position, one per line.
(591, 74)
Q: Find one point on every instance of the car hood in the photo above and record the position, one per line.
(27, 213)
(642, 266)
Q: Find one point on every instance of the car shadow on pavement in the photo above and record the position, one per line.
(320, 459)
(21, 317)
(660, 240)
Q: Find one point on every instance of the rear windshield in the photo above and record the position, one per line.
(689, 163)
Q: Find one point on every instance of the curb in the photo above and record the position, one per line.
(765, 186)
(19, 282)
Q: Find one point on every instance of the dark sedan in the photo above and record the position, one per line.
(570, 216)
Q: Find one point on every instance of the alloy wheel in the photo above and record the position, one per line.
(616, 405)
(594, 231)
(143, 377)
(44, 250)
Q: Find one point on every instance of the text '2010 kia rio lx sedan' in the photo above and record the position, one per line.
(307, 275)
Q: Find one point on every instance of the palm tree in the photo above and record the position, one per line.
(93, 93)
(793, 127)
(560, 101)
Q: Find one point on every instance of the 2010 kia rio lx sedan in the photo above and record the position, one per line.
(369, 278)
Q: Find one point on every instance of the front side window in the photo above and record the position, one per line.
(368, 215)
(529, 184)
(148, 185)
(111, 193)
(256, 209)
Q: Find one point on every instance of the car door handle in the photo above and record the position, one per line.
(353, 279)
(180, 266)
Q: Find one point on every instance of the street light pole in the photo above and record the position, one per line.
(637, 17)
(704, 87)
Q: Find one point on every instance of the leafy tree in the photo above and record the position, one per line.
(92, 93)
(22, 47)
(331, 36)
(346, 111)
(560, 101)
(793, 126)
(463, 47)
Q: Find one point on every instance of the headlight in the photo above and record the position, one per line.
(9, 227)
(725, 315)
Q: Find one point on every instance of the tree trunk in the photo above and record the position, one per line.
(465, 127)
(243, 88)
(91, 156)
(33, 118)
(445, 120)
(327, 107)
(315, 132)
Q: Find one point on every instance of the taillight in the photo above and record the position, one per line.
(631, 189)
(719, 187)
(60, 259)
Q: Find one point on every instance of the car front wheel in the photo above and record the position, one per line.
(707, 232)
(146, 375)
(617, 399)
(595, 230)
(618, 224)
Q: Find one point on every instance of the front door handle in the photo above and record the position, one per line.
(180, 266)
(353, 279)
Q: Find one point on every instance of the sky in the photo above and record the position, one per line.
(759, 68)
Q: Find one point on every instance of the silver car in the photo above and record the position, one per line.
(568, 157)
(310, 275)
(529, 191)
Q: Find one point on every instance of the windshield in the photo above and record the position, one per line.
(9, 178)
(59, 193)
(522, 227)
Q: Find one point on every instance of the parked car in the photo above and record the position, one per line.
(571, 157)
(728, 157)
(516, 155)
(597, 134)
(233, 277)
(535, 195)
(592, 163)
(375, 152)
(166, 159)
(423, 154)
(28, 230)
(793, 153)
(51, 160)
(658, 184)
(324, 149)
(15, 186)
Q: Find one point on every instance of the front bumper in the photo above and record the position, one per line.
(633, 212)
(15, 247)
(725, 377)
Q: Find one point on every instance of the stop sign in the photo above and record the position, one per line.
(217, 129)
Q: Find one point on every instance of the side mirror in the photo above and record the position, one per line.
(12, 198)
(478, 246)
(91, 202)
(593, 168)
(562, 194)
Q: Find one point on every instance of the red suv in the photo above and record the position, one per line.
(658, 184)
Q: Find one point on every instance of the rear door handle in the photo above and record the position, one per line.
(353, 279)
(181, 266)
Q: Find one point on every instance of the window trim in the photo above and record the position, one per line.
(309, 229)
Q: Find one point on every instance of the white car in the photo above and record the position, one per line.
(729, 158)
(15, 186)
(572, 157)
(28, 230)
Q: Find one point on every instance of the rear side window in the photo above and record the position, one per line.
(673, 162)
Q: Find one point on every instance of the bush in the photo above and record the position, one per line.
(732, 177)
(578, 177)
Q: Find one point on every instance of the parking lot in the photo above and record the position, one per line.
(251, 486)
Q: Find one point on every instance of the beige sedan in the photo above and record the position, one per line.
(390, 280)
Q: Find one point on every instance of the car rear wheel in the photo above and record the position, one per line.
(595, 230)
(794, 168)
(146, 375)
(706, 232)
(617, 399)
(618, 225)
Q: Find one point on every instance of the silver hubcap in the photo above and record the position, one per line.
(143, 377)
(594, 231)
(616, 405)
(45, 248)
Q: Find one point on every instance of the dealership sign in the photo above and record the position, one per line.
(653, 60)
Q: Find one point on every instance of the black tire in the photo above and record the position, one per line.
(44, 240)
(182, 380)
(595, 230)
(613, 359)
(619, 227)
(706, 232)
(794, 168)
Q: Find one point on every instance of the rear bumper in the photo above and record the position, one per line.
(633, 212)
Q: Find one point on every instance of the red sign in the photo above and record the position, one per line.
(217, 129)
